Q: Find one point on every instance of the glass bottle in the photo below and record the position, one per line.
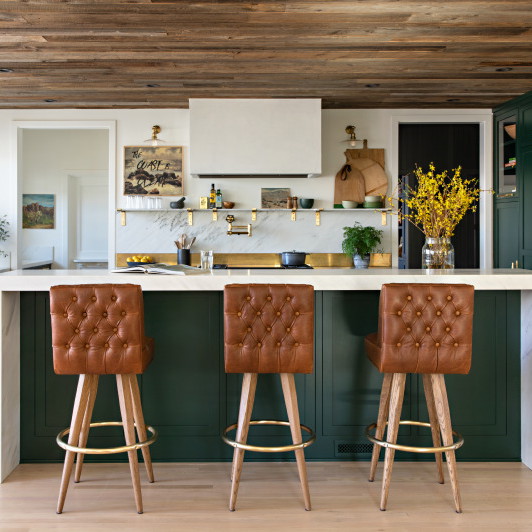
(218, 199)
(212, 197)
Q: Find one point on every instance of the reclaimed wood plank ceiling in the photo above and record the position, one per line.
(352, 54)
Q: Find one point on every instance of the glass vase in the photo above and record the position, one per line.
(437, 254)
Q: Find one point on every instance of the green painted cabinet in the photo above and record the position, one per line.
(189, 399)
(513, 183)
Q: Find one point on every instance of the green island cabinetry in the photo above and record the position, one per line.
(189, 399)
(513, 183)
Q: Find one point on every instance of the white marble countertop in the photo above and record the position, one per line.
(321, 279)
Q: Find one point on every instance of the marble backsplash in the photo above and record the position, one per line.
(273, 232)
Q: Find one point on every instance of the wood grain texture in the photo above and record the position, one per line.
(434, 424)
(382, 418)
(290, 398)
(351, 54)
(247, 398)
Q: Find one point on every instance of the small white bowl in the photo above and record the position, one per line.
(349, 204)
(372, 199)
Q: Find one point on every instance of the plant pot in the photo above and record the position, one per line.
(361, 262)
(183, 256)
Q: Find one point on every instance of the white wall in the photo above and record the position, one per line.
(142, 234)
(48, 157)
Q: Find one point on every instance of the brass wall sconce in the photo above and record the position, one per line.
(155, 140)
(352, 140)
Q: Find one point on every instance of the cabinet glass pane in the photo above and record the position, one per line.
(507, 180)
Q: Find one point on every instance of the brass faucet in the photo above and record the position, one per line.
(240, 229)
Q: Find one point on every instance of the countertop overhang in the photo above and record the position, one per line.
(321, 279)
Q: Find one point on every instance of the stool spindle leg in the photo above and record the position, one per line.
(384, 405)
(141, 425)
(249, 385)
(80, 405)
(126, 409)
(444, 417)
(290, 399)
(434, 424)
(396, 403)
(85, 427)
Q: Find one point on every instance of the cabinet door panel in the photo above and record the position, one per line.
(506, 233)
(525, 125)
(524, 172)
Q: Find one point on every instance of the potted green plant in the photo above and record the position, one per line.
(359, 241)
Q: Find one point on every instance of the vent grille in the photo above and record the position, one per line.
(353, 448)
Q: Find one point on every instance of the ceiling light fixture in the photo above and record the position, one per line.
(49, 100)
(352, 140)
(154, 140)
(453, 100)
(503, 69)
(6, 70)
(151, 85)
(372, 85)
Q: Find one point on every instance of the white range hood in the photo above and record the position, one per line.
(255, 137)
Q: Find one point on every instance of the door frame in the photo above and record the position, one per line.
(17, 129)
(482, 117)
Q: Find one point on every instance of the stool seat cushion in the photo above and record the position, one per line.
(269, 328)
(423, 328)
(99, 329)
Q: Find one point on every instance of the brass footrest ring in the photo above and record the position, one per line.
(108, 450)
(263, 449)
(410, 448)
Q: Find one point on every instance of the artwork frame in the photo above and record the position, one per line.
(38, 211)
(274, 197)
(153, 171)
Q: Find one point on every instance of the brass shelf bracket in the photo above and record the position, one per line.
(318, 216)
(215, 214)
(253, 215)
(190, 217)
(384, 219)
(123, 220)
(293, 215)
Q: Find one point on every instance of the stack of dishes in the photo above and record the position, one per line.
(372, 202)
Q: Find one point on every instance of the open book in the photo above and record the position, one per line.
(165, 269)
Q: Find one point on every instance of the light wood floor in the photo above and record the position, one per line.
(496, 496)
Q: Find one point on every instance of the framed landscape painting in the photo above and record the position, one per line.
(38, 211)
(274, 198)
(154, 170)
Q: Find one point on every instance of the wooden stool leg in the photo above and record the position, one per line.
(290, 399)
(444, 417)
(396, 403)
(80, 405)
(126, 409)
(249, 385)
(85, 428)
(141, 426)
(382, 417)
(434, 424)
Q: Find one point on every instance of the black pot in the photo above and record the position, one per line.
(293, 258)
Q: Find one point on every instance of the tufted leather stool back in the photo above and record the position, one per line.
(423, 328)
(269, 328)
(99, 329)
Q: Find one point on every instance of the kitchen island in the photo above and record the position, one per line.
(189, 398)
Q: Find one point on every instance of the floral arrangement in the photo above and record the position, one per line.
(439, 201)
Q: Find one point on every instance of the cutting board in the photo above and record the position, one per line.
(366, 161)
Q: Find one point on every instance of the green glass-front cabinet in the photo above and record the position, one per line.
(513, 183)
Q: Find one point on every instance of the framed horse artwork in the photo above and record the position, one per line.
(153, 170)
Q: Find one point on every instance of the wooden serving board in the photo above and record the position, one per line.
(365, 162)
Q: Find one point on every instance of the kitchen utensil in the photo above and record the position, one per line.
(179, 204)
(293, 258)
(306, 203)
(349, 204)
(349, 185)
(228, 204)
(183, 241)
(191, 242)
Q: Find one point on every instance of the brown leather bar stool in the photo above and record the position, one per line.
(425, 329)
(268, 328)
(99, 330)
